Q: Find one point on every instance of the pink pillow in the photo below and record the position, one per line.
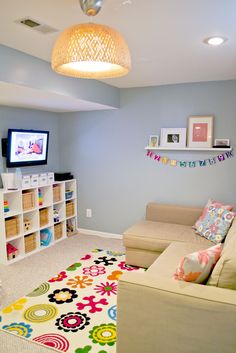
(210, 203)
(197, 267)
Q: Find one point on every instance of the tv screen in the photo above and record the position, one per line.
(27, 148)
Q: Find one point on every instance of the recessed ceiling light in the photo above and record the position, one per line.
(215, 40)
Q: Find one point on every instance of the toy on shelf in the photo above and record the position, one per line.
(40, 197)
(56, 215)
(6, 206)
(12, 252)
(70, 227)
(69, 194)
(45, 237)
(27, 225)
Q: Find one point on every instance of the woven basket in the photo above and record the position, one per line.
(70, 209)
(28, 200)
(43, 217)
(58, 231)
(30, 242)
(12, 227)
(56, 193)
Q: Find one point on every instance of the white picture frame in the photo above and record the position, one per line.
(200, 131)
(153, 141)
(173, 137)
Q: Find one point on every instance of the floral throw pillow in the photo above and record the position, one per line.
(210, 204)
(215, 225)
(197, 267)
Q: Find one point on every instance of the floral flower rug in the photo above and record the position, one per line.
(75, 311)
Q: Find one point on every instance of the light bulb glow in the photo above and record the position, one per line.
(91, 66)
(215, 41)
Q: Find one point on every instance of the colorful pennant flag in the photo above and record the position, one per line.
(191, 164)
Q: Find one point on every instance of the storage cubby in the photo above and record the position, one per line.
(27, 218)
(70, 208)
(59, 212)
(14, 250)
(46, 236)
(30, 222)
(71, 226)
(29, 199)
(59, 230)
(70, 189)
(45, 196)
(12, 203)
(30, 242)
(45, 217)
(12, 226)
(58, 192)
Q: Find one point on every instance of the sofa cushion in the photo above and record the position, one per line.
(210, 204)
(224, 272)
(186, 215)
(157, 236)
(165, 265)
(215, 225)
(197, 266)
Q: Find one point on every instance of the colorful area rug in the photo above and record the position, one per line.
(75, 311)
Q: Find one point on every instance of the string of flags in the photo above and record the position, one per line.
(191, 164)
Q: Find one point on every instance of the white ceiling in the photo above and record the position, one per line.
(21, 97)
(165, 36)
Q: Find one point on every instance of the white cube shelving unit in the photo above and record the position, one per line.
(24, 219)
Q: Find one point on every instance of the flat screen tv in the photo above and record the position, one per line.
(27, 148)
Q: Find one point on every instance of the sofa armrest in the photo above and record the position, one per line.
(159, 315)
(172, 214)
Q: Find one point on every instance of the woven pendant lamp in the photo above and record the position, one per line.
(91, 50)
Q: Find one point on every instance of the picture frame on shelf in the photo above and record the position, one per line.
(173, 137)
(153, 141)
(200, 131)
(221, 143)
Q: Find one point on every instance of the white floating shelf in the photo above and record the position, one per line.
(189, 149)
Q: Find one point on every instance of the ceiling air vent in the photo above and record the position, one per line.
(36, 25)
(30, 23)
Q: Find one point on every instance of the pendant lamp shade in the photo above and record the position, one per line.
(91, 50)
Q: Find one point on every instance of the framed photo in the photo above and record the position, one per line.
(200, 131)
(222, 143)
(153, 141)
(173, 137)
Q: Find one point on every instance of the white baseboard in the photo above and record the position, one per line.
(100, 234)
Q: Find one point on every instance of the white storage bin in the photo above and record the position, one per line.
(9, 181)
(34, 180)
(50, 178)
(26, 181)
(43, 179)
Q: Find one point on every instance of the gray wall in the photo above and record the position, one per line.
(32, 119)
(105, 151)
(26, 70)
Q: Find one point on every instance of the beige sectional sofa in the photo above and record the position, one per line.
(157, 314)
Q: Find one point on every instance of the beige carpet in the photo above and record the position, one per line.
(23, 276)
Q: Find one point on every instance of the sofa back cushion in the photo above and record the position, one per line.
(215, 224)
(172, 214)
(211, 204)
(224, 272)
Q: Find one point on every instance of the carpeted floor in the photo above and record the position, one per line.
(22, 277)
